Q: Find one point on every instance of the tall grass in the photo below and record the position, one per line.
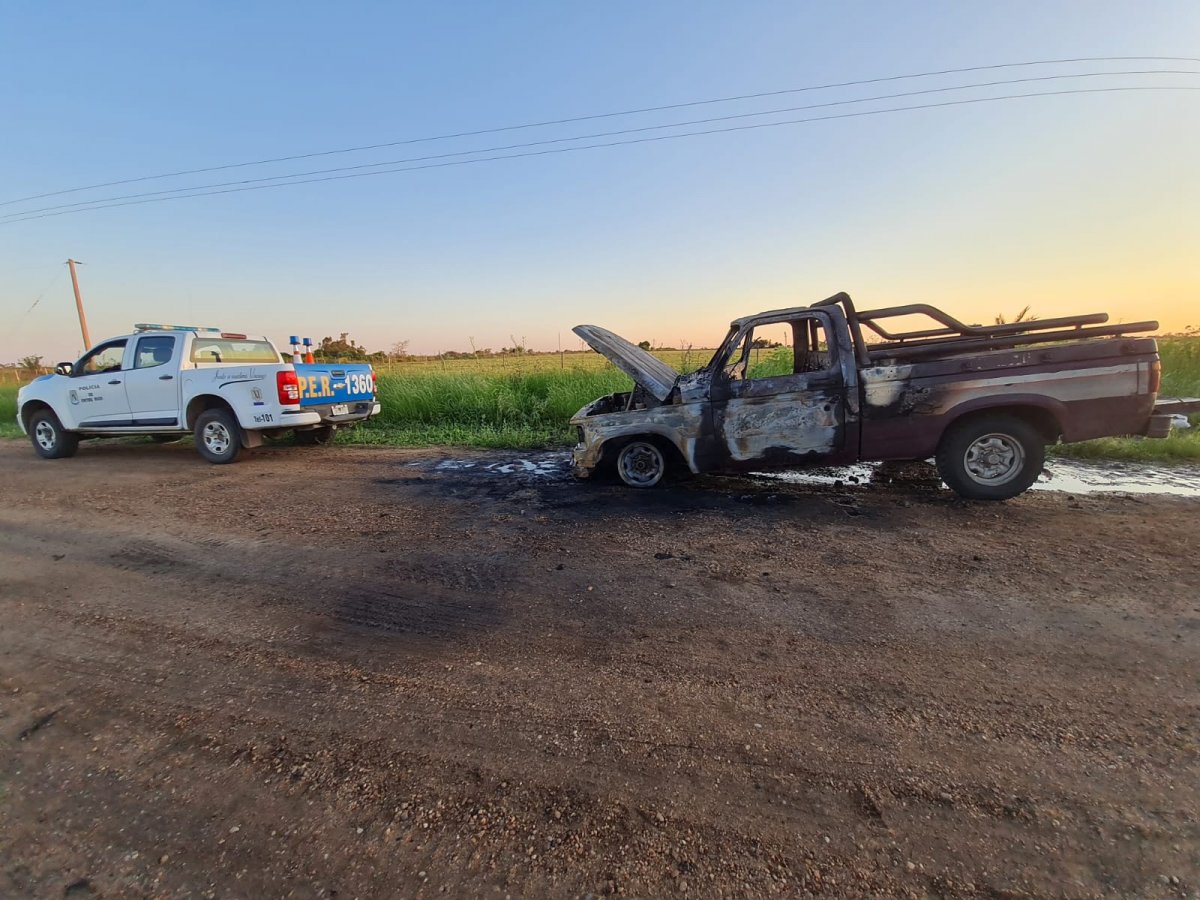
(8, 411)
(685, 360)
(1180, 366)
(508, 410)
(1181, 446)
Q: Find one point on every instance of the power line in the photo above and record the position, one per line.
(643, 140)
(183, 190)
(608, 115)
(13, 330)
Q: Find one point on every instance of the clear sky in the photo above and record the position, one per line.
(1071, 203)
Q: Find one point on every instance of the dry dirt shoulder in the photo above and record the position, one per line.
(352, 672)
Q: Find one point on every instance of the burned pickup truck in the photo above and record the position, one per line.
(984, 401)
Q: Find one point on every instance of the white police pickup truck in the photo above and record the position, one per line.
(228, 390)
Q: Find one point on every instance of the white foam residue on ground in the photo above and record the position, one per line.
(1069, 476)
(1129, 478)
(455, 465)
(542, 467)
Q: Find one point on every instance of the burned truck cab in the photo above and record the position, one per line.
(780, 391)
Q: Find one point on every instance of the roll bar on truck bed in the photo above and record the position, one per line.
(954, 336)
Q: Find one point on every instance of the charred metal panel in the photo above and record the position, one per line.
(694, 387)
(646, 370)
(797, 419)
(680, 423)
(797, 423)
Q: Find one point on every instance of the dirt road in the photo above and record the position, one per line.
(361, 673)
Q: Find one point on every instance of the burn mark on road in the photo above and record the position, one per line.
(38, 724)
(414, 610)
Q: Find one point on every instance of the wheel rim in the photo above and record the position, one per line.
(45, 436)
(217, 438)
(642, 465)
(994, 459)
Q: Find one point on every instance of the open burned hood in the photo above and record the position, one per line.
(648, 371)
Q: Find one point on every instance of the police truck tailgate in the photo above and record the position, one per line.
(336, 385)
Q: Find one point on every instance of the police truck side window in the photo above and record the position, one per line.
(154, 351)
(106, 358)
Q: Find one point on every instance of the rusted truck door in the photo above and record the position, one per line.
(787, 418)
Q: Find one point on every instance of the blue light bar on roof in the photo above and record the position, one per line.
(143, 326)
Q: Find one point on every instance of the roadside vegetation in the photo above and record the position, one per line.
(487, 403)
(512, 409)
(8, 411)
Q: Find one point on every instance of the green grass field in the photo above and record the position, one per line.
(534, 363)
(8, 411)
(525, 402)
(484, 410)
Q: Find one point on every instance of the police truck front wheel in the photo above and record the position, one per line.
(218, 437)
(50, 439)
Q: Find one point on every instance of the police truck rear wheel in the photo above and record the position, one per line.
(218, 437)
(50, 439)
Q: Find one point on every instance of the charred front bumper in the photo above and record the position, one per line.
(589, 450)
(609, 422)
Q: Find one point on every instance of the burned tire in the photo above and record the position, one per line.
(50, 439)
(316, 436)
(218, 436)
(991, 457)
(641, 464)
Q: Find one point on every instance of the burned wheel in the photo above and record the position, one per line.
(991, 457)
(641, 464)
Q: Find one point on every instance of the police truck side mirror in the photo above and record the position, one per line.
(63, 368)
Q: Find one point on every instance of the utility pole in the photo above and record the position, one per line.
(87, 341)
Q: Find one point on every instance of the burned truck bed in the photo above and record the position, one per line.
(849, 385)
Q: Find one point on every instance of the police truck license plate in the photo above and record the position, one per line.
(339, 409)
